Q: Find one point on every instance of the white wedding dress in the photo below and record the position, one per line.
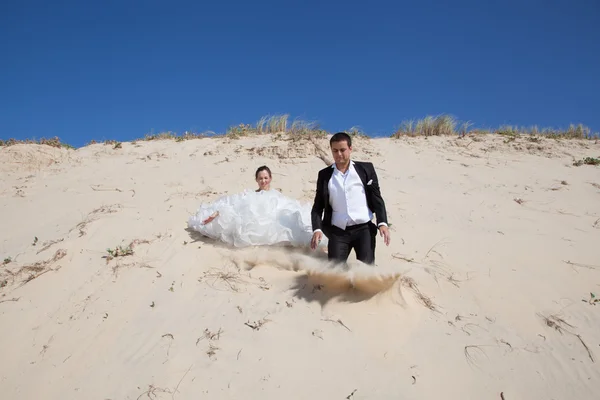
(255, 218)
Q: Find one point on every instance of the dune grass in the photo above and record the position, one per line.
(178, 138)
(281, 126)
(52, 142)
(429, 126)
(447, 125)
(56, 142)
(587, 161)
(168, 135)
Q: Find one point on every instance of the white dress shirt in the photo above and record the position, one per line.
(347, 198)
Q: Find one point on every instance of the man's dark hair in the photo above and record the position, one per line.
(263, 168)
(341, 137)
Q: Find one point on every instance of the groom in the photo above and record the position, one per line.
(348, 193)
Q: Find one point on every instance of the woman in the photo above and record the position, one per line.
(255, 218)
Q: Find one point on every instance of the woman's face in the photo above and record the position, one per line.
(264, 180)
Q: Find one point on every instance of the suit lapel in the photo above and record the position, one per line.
(329, 174)
(361, 171)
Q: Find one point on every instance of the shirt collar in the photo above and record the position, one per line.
(335, 168)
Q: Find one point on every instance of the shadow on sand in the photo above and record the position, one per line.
(312, 289)
(317, 279)
(198, 237)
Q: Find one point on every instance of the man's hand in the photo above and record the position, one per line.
(385, 232)
(316, 239)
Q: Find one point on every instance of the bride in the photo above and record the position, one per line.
(256, 217)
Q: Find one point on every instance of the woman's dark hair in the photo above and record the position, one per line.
(263, 168)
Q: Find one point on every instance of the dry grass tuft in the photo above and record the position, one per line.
(356, 132)
(338, 321)
(116, 268)
(152, 392)
(231, 279)
(211, 337)
(585, 346)
(470, 351)
(572, 132)
(176, 137)
(450, 278)
(93, 216)
(553, 321)
(256, 325)
(559, 324)
(466, 328)
(304, 129)
(432, 266)
(277, 124)
(404, 258)
(440, 125)
(48, 244)
(136, 242)
(588, 266)
(52, 142)
(444, 125)
(423, 299)
(212, 350)
(273, 124)
(31, 271)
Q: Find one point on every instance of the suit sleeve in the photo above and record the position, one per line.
(376, 198)
(316, 213)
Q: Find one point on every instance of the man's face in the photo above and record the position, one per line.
(341, 152)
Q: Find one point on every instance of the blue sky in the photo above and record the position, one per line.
(120, 69)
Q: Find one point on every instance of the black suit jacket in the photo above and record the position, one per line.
(321, 205)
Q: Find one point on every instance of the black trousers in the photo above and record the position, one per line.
(361, 238)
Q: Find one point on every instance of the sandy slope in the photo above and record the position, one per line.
(181, 317)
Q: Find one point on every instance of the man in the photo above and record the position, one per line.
(348, 195)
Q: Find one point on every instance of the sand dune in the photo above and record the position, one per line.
(486, 289)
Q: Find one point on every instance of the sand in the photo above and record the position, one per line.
(483, 293)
